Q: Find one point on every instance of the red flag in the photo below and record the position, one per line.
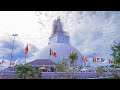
(11, 63)
(26, 49)
(85, 59)
(1, 62)
(110, 61)
(54, 53)
(102, 60)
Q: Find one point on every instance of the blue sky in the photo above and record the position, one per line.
(90, 31)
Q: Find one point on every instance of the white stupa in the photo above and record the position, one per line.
(59, 42)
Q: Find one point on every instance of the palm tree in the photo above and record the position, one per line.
(61, 65)
(23, 71)
(72, 57)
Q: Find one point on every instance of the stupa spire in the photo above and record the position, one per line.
(58, 34)
(57, 27)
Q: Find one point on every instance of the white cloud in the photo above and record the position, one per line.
(89, 30)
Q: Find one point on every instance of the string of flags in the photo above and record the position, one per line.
(97, 60)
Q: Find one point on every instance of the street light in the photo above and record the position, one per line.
(13, 45)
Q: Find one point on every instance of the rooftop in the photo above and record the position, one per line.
(42, 62)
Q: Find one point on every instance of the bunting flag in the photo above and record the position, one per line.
(111, 61)
(102, 60)
(26, 49)
(85, 59)
(95, 59)
(53, 53)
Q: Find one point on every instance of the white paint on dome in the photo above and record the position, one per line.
(59, 42)
(62, 50)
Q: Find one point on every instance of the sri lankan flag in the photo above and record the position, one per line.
(53, 53)
(95, 59)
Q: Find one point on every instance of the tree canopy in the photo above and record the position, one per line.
(116, 52)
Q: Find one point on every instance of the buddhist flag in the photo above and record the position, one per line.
(53, 53)
(102, 60)
(26, 49)
(110, 61)
(95, 59)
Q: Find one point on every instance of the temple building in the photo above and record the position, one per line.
(59, 42)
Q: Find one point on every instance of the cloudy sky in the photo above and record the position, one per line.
(90, 32)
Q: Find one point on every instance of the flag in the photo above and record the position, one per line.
(85, 59)
(95, 59)
(53, 53)
(110, 61)
(1, 62)
(102, 60)
(12, 63)
(26, 49)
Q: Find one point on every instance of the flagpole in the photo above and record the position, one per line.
(94, 63)
(2, 66)
(26, 51)
(13, 46)
(49, 59)
(25, 58)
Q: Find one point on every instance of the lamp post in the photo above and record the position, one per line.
(13, 46)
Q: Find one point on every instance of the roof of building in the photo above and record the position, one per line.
(42, 62)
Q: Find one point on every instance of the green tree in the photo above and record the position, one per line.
(73, 57)
(115, 76)
(37, 73)
(26, 71)
(62, 65)
(23, 71)
(116, 52)
(100, 70)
